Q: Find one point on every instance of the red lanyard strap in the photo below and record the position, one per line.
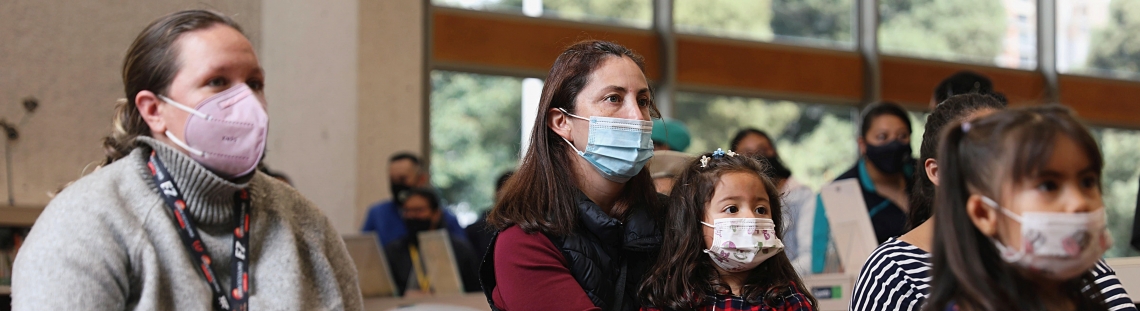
(238, 298)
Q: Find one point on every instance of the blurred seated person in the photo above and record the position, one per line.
(665, 166)
(478, 232)
(669, 134)
(421, 212)
(963, 82)
(404, 172)
(757, 144)
(883, 172)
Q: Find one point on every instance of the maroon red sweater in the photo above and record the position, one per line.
(531, 274)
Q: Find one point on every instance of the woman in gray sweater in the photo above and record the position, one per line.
(178, 218)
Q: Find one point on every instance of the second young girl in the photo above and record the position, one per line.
(721, 248)
(1019, 215)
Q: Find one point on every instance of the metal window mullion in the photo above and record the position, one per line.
(1047, 48)
(867, 34)
(666, 84)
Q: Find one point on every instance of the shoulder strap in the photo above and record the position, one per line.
(487, 271)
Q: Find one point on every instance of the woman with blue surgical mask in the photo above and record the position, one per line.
(576, 223)
(178, 217)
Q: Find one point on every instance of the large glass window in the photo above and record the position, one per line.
(1099, 37)
(990, 32)
(475, 132)
(817, 142)
(812, 22)
(918, 128)
(1120, 182)
(634, 13)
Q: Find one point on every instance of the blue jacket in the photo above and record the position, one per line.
(384, 219)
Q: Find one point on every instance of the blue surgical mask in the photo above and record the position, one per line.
(618, 148)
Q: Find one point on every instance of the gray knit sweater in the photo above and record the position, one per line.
(108, 242)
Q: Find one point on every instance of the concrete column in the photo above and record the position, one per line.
(392, 93)
(309, 52)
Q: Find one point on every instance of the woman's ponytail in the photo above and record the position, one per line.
(126, 125)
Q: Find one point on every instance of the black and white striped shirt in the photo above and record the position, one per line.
(897, 277)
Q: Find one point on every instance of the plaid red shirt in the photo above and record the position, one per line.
(794, 301)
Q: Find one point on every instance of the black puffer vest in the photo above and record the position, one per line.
(608, 258)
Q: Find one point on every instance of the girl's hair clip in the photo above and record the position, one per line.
(966, 127)
(720, 153)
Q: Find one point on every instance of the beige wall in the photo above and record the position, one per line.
(345, 91)
(392, 99)
(68, 54)
(309, 55)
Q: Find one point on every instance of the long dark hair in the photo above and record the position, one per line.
(963, 82)
(541, 195)
(955, 108)
(995, 151)
(873, 112)
(150, 64)
(740, 135)
(684, 274)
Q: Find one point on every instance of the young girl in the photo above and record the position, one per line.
(1019, 216)
(722, 248)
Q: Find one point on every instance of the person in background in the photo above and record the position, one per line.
(1019, 217)
(883, 173)
(421, 212)
(665, 166)
(478, 232)
(670, 139)
(722, 247)
(178, 217)
(577, 223)
(756, 143)
(404, 172)
(897, 274)
(963, 82)
(669, 134)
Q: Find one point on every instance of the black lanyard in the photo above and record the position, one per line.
(238, 299)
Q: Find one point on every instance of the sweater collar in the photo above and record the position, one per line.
(209, 197)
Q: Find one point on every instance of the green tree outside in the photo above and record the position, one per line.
(1115, 48)
(746, 19)
(816, 142)
(969, 30)
(475, 132)
(1119, 183)
(829, 20)
(1115, 51)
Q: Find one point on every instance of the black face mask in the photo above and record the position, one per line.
(398, 193)
(776, 168)
(415, 226)
(891, 157)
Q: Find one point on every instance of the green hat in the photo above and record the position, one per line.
(671, 132)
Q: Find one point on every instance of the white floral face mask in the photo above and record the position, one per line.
(1060, 246)
(740, 244)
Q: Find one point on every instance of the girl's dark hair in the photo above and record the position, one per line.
(542, 193)
(962, 82)
(1004, 148)
(881, 109)
(955, 108)
(426, 193)
(684, 274)
(150, 65)
(744, 133)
